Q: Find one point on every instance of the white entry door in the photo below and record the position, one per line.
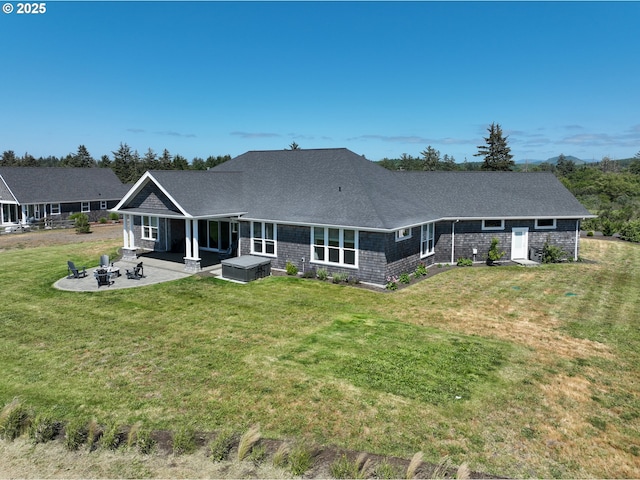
(519, 243)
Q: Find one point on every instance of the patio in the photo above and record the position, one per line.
(158, 267)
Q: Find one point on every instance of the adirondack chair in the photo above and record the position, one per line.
(137, 273)
(228, 253)
(76, 272)
(103, 278)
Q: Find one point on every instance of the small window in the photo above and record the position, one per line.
(263, 238)
(55, 209)
(403, 234)
(103, 204)
(546, 223)
(493, 224)
(85, 207)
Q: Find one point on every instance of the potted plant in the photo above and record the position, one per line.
(494, 253)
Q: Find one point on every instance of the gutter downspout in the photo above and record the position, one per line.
(453, 241)
(575, 252)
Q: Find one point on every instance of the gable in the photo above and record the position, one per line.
(150, 197)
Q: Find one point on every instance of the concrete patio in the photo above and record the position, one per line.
(157, 267)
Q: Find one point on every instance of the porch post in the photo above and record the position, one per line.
(191, 259)
(187, 238)
(575, 253)
(128, 239)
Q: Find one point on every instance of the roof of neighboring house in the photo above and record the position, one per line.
(338, 187)
(60, 185)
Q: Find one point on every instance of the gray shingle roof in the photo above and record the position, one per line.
(339, 187)
(62, 185)
(494, 194)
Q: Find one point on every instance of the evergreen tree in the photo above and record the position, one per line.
(294, 146)
(104, 162)
(496, 153)
(123, 165)
(180, 163)
(448, 163)
(198, 164)
(564, 166)
(8, 159)
(166, 160)
(150, 160)
(430, 159)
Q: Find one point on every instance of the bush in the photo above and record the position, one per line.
(630, 231)
(113, 216)
(184, 441)
(220, 446)
(291, 269)
(339, 277)
(103, 220)
(311, 273)
(14, 420)
(552, 253)
(421, 270)
(404, 278)
(494, 253)
(322, 274)
(392, 283)
(44, 428)
(81, 222)
(465, 262)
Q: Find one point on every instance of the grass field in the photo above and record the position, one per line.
(517, 371)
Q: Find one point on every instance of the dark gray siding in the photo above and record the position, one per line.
(152, 197)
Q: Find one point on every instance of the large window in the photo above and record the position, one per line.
(334, 245)
(150, 228)
(427, 243)
(263, 238)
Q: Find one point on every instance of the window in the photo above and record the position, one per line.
(548, 223)
(334, 245)
(493, 225)
(150, 228)
(55, 209)
(427, 243)
(103, 204)
(403, 234)
(85, 207)
(263, 238)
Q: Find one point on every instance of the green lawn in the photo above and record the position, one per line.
(520, 372)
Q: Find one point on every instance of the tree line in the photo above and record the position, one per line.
(126, 163)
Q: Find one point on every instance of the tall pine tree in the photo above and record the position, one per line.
(496, 153)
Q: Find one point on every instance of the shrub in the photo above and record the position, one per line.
(81, 222)
(112, 436)
(311, 273)
(465, 262)
(220, 446)
(113, 216)
(75, 434)
(103, 220)
(184, 441)
(299, 459)
(322, 274)
(291, 269)
(44, 428)
(421, 270)
(392, 283)
(353, 280)
(339, 277)
(404, 278)
(247, 441)
(630, 231)
(494, 253)
(14, 420)
(590, 233)
(552, 253)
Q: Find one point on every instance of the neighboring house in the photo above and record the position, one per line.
(45, 194)
(334, 209)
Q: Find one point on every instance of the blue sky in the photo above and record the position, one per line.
(379, 78)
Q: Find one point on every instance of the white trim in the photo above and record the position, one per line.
(432, 238)
(82, 205)
(264, 240)
(149, 228)
(501, 227)
(341, 248)
(546, 227)
(404, 234)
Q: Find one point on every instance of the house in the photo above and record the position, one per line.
(334, 209)
(46, 194)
